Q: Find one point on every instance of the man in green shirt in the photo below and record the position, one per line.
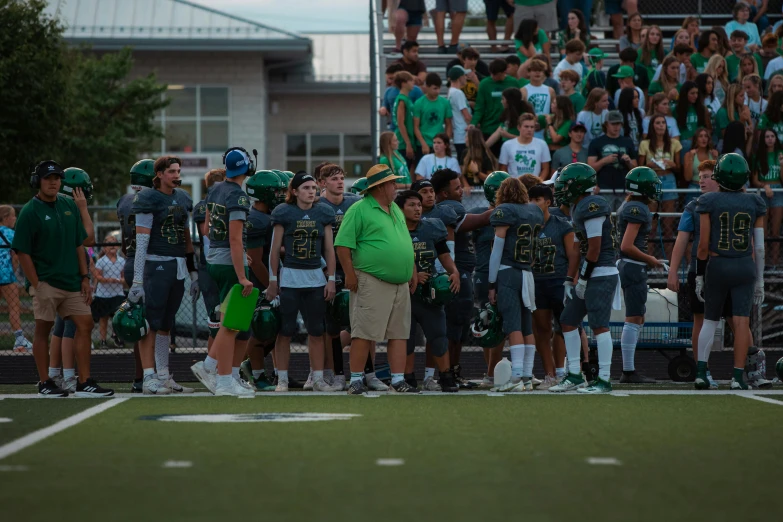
(431, 113)
(486, 115)
(376, 253)
(49, 243)
(708, 45)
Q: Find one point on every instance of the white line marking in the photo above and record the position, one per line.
(390, 462)
(495, 394)
(604, 461)
(37, 436)
(5, 419)
(371, 395)
(619, 394)
(14, 468)
(178, 464)
(763, 399)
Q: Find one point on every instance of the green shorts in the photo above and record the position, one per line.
(225, 278)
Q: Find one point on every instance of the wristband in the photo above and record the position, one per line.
(493, 286)
(586, 270)
(273, 278)
(332, 278)
(701, 266)
(190, 262)
(85, 276)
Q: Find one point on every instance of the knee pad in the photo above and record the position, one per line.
(439, 346)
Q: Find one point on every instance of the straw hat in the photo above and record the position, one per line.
(379, 174)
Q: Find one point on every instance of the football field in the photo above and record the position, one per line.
(650, 454)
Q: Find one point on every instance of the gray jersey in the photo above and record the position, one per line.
(127, 224)
(169, 219)
(634, 212)
(589, 208)
(555, 211)
(425, 238)
(339, 212)
(690, 208)
(482, 242)
(464, 252)
(303, 233)
(258, 229)
(524, 222)
(446, 215)
(199, 216)
(226, 202)
(551, 259)
(732, 217)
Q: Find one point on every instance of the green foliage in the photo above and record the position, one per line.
(71, 105)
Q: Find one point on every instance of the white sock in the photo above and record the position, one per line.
(282, 375)
(429, 373)
(706, 337)
(628, 344)
(69, 373)
(527, 365)
(224, 380)
(235, 372)
(257, 373)
(149, 373)
(560, 372)
(605, 350)
(210, 364)
(573, 345)
(318, 375)
(396, 377)
(19, 334)
(356, 376)
(54, 372)
(517, 360)
(162, 356)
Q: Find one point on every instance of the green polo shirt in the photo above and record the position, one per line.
(380, 241)
(49, 234)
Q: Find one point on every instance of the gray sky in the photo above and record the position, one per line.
(299, 15)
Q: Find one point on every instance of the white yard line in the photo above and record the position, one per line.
(763, 399)
(37, 436)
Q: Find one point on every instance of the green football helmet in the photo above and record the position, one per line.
(779, 368)
(75, 177)
(339, 309)
(436, 290)
(574, 180)
(732, 172)
(359, 185)
(266, 187)
(129, 322)
(266, 321)
(142, 173)
(492, 184)
(487, 327)
(643, 181)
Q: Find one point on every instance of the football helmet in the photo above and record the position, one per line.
(643, 181)
(266, 321)
(266, 187)
(492, 184)
(129, 322)
(732, 172)
(487, 327)
(142, 173)
(359, 185)
(574, 180)
(339, 309)
(74, 177)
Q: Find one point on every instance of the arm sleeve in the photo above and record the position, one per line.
(142, 242)
(494, 258)
(594, 227)
(442, 247)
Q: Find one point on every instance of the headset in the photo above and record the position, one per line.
(251, 169)
(42, 170)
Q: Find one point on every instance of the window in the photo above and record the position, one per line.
(353, 152)
(196, 119)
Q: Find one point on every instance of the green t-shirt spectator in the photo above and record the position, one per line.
(542, 39)
(403, 98)
(773, 174)
(764, 124)
(722, 118)
(699, 62)
(656, 87)
(579, 102)
(432, 116)
(562, 131)
(488, 108)
(691, 123)
(399, 167)
(732, 66)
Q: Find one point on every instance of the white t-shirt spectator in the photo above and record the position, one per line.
(458, 101)
(774, 65)
(671, 124)
(111, 270)
(756, 109)
(430, 163)
(523, 159)
(593, 123)
(641, 97)
(564, 65)
(683, 74)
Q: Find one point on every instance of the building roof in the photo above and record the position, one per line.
(166, 25)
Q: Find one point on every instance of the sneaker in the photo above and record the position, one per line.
(598, 386)
(308, 385)
(410, 378)
(90, 388)
(59, 381)
(263, 384)
(234, 388)
(548, 382)
(50, 390)
(282, 385)
(403, 387)
(510, 385)
(22, 345)
(757, 382)
(69, 384)
(357, 388)
(430, 384)
(204, 377)
(118, 343)
(375, 384)
(487, 381)
(530, 383)
(153, 386)
(246, 370)
(448, 383)
(293, 384)
(636, 378)
(571, 382)
(713, 383)
(536, 382)
(176, 388)
(701, 382)
(137, 387)
(463, 383)
(442, 49)
(103, 345)
(339, 380)
(322, 386)
(738, 384)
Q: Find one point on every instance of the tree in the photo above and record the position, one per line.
(70, 105)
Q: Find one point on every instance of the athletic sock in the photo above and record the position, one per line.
(318, 375)
(210, 364)
(257, 373)
(54, 372)
(628, 345)
(517, 360)
(573, 345)
(356, 376)
(706, 337)
(429, 373)
(337, 354)
(560, 372)
(149, 373)
(738, 374)
(527, 365)
(397, 377)
(235, 372)
(282, 375)
(224, 380)
(69, 373)
(162, 356)
(605, 350)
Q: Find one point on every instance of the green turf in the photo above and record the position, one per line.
(473, 458)
(31, 415)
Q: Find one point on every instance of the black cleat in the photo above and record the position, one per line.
(49, 389)
(410, 378)
(403, 387)
(636, 378)
(448, 383)
(462, 383)
(357, 388)
(137, 386)
(90, 388)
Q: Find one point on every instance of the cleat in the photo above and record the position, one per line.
(322, 386)
(636, 378)
(510, 385)
(263, 384)
(571, 382)
(50, 390)
(738, 384)
(175, 387)
(308, 385)
(246, 370)
(59, 381)
(69, 384)
(152, 386)
(234, 388)
(548, 382)
(357, 388)
(448, 383)
(90, 388)
(702, 382)
(293, 384)
(403, 387)
(208, 379)
(522, 386)
(487, 381)
(430, 384)
(598, 386)
(137, 387)
(375, 384)
(282, 385)
(410, 378)
(536, 382)
(339, 380)
(22, 345)
(463, 383)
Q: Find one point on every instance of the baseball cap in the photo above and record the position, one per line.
(300, 178)
(614, 117)
(625, 71)
(237, 163)
(49, 168)
(420, 184)
(577, 125)
(457, 72)
(596, 54)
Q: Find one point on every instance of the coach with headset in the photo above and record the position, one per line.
(49, 243)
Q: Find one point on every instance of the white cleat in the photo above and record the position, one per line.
(282, 385)
(339, 380)
(153, 386)
(172, 385)
(570, 383)
(430, 385)
(69, 384)
(375, 384)
(208, 379)
(522, 386)
(308, 385)
(242, 382)
(536, 382)
(234, 388)
(548, 382)
(487, 381)
(322, 386)
(509, 386)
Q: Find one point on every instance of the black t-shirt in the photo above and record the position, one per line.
(482, 69)
(414, 68)
(612, 176)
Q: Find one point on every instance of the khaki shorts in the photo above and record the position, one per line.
(380, 310)
(49, 302)
(544, 14)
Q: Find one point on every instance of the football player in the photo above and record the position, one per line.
(304, 229)
(556, 261)
(517, 226)
(726, 220)
(595, 291)
(448, 193)
(164, 257)
(141, 175)
(634, 222)
(429, 243)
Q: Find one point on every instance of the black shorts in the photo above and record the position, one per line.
(105, 306)
(310, 302)
(163, 294)
(432, 320)
(697, 307)
(494, 7)
(460, 310)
